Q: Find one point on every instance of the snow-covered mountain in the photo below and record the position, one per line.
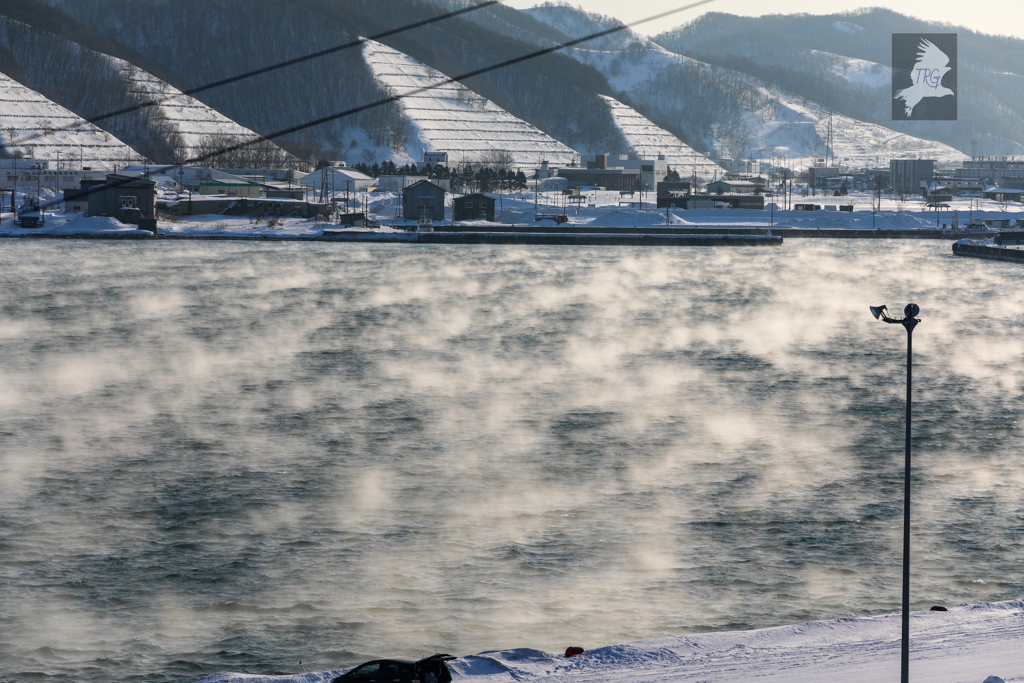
(734, 115)
(576, 23)
(842, 62)
(449, 117)
(555, 94)
(33, 127)
(723, 86)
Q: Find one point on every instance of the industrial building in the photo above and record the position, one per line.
(905, 175)
(338, 179)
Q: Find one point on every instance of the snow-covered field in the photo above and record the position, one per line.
(42, 129)
(451, 118)
(967, 644)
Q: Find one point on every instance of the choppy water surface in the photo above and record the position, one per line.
(225, 456)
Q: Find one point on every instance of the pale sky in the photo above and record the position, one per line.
(1004, 17)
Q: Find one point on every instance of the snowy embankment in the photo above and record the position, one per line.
(76, 224)
(967, 644)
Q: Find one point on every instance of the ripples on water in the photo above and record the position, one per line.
(238, 457)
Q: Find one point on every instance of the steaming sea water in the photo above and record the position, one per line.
(225, 456)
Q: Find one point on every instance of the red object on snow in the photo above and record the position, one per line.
(573, 650)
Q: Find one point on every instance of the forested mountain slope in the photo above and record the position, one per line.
(90, 84)
(722, 85)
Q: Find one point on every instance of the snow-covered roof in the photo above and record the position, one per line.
(335, 173)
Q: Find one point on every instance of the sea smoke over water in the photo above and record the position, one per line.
(239, 456)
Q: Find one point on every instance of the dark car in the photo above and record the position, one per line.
(429, 670)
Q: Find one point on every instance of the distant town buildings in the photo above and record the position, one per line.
(26, 173)
(1001, 171)
(818, 176)
(599, 174)
(435, 158)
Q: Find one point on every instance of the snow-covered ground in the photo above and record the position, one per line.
(451, 118)
(967, 644)
(600, 209)
(39, 128)
(75, 224)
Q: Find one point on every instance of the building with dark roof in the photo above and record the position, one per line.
(125, 198)
(423, 199)
(473, 207)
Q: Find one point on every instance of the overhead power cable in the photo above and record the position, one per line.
(261, 71)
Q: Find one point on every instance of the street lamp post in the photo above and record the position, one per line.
(909, 322)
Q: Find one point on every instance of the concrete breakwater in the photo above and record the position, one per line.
(529, 234)
(863, 233)
(641, 238)
(579, 239)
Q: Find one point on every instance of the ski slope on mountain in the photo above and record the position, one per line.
(448, 117)
(967, 644)
(648, 141)
(38, 128)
